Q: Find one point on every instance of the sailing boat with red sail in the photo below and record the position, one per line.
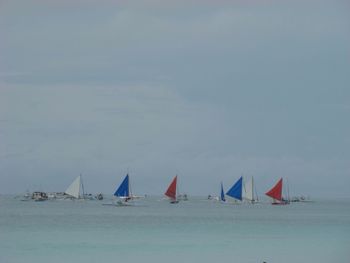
(171, 191)
(276, 193)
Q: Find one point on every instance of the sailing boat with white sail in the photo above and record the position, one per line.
(76, 189)
(236, 190)
(249, 192)
(171, 191)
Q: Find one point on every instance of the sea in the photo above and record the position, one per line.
(155, 231)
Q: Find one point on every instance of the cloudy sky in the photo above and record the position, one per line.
(208, 90)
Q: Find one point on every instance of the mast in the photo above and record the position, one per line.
(256, 194)
(177, 189)
(129, 184)
(130, 192)
(253, 199)
(82, 186)
(288, 190)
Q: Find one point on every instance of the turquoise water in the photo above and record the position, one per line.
(153, 230)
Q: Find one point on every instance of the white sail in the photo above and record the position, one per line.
(249, 190)
(74, 188)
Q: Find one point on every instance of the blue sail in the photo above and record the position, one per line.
(123, 189)
(236, 190)
(222, 196)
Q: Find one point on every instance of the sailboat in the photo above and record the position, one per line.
(249, 191)
(276, 193)
(123, 192)
(76, 189)
(222, 194)
(236, 190)
(171, 191)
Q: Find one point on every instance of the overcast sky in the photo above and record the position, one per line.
(208, 90)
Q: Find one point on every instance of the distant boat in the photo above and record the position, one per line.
(236, 190)
(39, 196)
(76, 189)
(182, 197)
(26, 197)
(213, 197)
(249, 191)
(222, 194)
(99, 196)
(301, 199)
(276, 194)
(171, 191)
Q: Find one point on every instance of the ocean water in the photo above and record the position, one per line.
(153, 230)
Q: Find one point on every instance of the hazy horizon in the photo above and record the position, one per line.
(208, 91)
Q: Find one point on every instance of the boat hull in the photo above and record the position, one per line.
(280, 203)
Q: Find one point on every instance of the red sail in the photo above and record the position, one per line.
(171, 192)
(276, 191)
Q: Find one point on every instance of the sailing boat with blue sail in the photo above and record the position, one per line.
(222, 194)
(123, 193)
(236, 190)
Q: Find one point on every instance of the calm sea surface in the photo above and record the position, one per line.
(153, 230)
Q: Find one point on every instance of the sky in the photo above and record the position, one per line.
(207, 90)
